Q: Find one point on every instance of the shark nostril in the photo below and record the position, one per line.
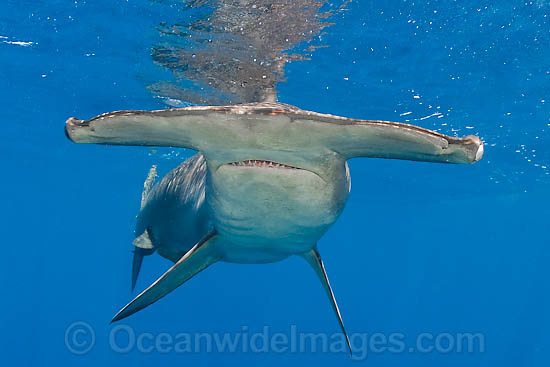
(67, 133)
(479, 153)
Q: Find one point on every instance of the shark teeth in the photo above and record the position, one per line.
(261, 163)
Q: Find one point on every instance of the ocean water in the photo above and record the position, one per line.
(431, 264)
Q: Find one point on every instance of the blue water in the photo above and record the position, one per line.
(421, 249)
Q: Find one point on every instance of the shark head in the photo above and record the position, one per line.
(272, 132)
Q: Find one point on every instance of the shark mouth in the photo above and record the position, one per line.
(261, 163)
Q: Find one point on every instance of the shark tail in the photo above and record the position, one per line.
(143, 246)
(139, 254)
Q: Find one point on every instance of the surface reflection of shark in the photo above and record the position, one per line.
(236, 52)
(268, 180)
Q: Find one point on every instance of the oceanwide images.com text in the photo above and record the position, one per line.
(80, 339)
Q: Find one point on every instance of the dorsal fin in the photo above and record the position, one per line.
(148, 184)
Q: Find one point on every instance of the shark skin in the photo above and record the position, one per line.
(268, 181)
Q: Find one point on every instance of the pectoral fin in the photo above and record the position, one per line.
(198, 258)
(314, 259)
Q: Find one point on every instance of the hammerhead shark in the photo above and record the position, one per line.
(268, 181)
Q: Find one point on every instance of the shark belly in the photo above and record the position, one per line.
(264, 214)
